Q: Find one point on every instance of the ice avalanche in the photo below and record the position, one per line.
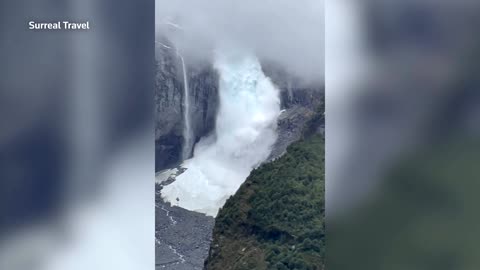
(245, 132)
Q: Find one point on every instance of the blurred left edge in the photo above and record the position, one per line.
(76, 136)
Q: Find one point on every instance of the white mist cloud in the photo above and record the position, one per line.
(290, 33)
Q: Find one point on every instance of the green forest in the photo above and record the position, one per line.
(276, 218)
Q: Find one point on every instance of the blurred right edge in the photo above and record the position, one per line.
(402, 143)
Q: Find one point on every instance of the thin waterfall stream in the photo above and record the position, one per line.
(187, 127)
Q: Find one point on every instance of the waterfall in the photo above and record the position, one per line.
(188, 137)
(290, 90)
(187, 128)
(244, 134)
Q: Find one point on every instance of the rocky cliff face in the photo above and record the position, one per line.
(203, 82)
(169, 96)
(293, 90)
(299, 103)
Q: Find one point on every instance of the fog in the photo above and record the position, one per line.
(284, 32)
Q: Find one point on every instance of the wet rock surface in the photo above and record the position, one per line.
(182, 237)
(290, 125)
(169, 102)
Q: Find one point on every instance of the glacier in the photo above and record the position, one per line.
(244, 135)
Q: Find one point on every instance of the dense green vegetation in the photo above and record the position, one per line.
(276, 219)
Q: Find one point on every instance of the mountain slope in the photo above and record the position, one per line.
(276, 218)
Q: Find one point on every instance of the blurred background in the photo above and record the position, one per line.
(76, 136)
(402, 137)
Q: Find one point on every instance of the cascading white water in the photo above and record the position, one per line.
(187, 128)
(245, 132)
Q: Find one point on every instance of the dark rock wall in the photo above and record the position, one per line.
(299, 102)
(293, 90)
(169, 95)
(168, 109)
(204, 98)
